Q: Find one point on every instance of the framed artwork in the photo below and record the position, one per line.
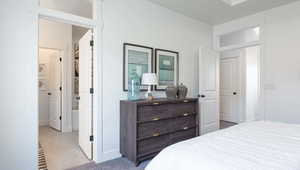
(137, 59)
(42, 70)
(43, 84)
(166, 68)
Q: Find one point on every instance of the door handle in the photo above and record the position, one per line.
(78, 98)
(202, 96)
(49, 94)
(234, 93)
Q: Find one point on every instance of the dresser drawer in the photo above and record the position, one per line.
(183, 135)
(152, 145)
(153, 129)
(184, 123)
(153, 113)
(184, 108)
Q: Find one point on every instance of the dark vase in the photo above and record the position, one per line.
(182, 91)
(171, 92)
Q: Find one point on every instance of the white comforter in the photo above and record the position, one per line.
(248, 146)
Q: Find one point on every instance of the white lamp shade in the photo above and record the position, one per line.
(149, 79)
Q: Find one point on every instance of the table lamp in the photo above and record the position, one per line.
(149, 79)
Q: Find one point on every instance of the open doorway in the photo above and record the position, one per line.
(239, 84)
(65, 94)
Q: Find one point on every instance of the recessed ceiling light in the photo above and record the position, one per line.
(234, 2)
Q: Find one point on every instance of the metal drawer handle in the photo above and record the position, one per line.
(185, 101)
(155, 118)
(156, 103)
(156, 134)
(185, 128)
(185, 114)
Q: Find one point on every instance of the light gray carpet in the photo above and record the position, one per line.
(116, 164)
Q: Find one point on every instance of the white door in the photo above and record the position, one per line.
(229, 89)
(55, 75)
(209, 90)
(85, 102)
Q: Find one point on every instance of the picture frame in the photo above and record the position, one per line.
(166, 68)
(136, 58)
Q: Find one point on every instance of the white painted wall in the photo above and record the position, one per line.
(144, 23)
(82, 8)
(18, 87)
(280, 60)
(252, 81)
(59, 36)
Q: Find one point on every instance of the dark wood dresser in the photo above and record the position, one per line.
(147, 127)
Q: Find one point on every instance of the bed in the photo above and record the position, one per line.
(248, 146)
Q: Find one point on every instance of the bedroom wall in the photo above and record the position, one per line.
(144, 23)
(18, 87)
(281, 61)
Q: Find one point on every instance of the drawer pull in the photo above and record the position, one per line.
(185, 114)
(156, 103)
(185, 128)
(156, 119)
(185, 101)
(156, 134)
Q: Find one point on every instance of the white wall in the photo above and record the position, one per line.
(280, 60)
(59, 36)
(252, 81)
(18, 87)
(144, 23)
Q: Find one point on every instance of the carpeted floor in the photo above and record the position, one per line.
(116, 164)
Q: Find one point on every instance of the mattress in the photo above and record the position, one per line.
(248, 146)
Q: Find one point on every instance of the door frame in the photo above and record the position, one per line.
(97, 26)
(237, 26)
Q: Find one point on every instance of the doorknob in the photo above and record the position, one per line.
(234, 93)
(78, 98)
(202, 96)
(49, 94)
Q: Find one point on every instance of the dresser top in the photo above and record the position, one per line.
(159, 100)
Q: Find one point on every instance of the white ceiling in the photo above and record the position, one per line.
(216, 11)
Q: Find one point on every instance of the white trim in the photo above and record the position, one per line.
(97, 25)
(238, 46)
(59, 16)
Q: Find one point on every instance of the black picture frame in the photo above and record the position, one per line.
(125, 78)
(176, 54)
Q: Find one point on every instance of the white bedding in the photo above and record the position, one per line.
(248, 146)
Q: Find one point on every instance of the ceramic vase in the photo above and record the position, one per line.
(171, 92)
(182, 91)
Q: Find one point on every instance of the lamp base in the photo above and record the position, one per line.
(148, 94)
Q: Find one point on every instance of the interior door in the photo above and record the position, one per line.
(55, 94)
(229, 89)
(209, 90)
(85, 102)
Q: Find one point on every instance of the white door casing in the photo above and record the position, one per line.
(229, 89)
(85, 102)
(209, 90)
(55, 76)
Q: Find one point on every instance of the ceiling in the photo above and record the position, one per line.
(216, 11)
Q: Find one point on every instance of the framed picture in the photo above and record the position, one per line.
(42, 70)
(166, 68)
(137, 59)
